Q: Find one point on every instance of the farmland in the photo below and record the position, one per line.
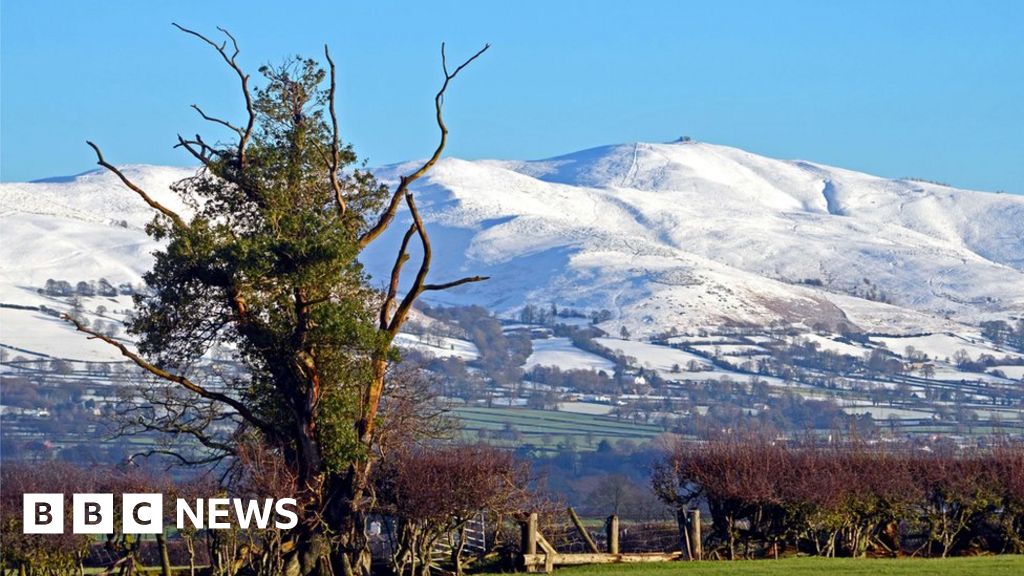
(549, 430)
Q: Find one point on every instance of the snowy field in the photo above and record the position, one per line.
(559, 352)
(729, 349)
(826, 343)
(1012, 372)
(438, 346)
(42, 334)
(942, 346)
(882, 412)
(951, 374)
(653, 356)
(685, 377)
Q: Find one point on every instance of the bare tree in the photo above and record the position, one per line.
(267, 262)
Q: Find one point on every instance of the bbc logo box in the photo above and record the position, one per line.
(92, 514)
(43, 514)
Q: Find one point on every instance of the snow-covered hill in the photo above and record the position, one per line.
(662, 235)
(80, 227)
(689, 234)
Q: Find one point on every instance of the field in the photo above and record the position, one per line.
(547, 429)
(980, 566)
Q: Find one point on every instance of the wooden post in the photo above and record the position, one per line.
(583, 531)
(695, 545)
(682, 521)
(528, 545)
(165, 557)
(549, 553)
(613, 534)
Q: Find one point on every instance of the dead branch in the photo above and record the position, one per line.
(334, 159)
(396, 273)
(142, 193)
(246, 133)
(178, 418)
(421, 275)
(220, 121)
(182, 381)
(199, 149)
(177, 456)
(455, 283)
(419, 283)
(388, 215)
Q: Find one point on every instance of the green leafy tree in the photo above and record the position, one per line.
(266, 263)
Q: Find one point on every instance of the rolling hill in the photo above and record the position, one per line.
(679, 235)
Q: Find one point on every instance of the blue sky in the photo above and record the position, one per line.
(930, 89)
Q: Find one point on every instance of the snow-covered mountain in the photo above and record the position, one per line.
(678, 235)
(689, 234)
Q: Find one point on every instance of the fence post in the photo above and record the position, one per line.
(583, 531)
(528, 543)
(530, 534)
(613, 534)
(695, 545)
(682, 522)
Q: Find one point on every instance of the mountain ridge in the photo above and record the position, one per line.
(663, 236)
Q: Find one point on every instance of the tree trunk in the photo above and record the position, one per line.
(307, 555)
(732, 536)
(458, 549)
(165, 557)
(348, 518)
(190, 544)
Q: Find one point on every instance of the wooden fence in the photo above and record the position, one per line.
(538, 555)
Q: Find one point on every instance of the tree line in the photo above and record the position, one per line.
(769, 498)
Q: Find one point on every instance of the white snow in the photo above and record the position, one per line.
(729, 349)
(438, 346)
(560, 352)
(26, 330)
(1012, 372)
(830, 344)
(693, 234)
(653, 356)
(942, 346)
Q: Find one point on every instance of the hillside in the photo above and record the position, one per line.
(663, 236)
(691, 234)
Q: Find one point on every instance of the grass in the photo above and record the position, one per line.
(547, 429)
(980, 566)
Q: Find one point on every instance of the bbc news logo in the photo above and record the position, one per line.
(144, 513)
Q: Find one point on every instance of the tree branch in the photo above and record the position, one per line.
(396, 198)
(182, 381)
(334, 159)
(396, 273)
(438, 103)
(224, 123)
(421, 276)
(246, 133)
(455, 283)
(142, 193)
(204, 153)
(183, 460)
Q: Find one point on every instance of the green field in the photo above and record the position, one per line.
(547, 429)
(976, 566)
